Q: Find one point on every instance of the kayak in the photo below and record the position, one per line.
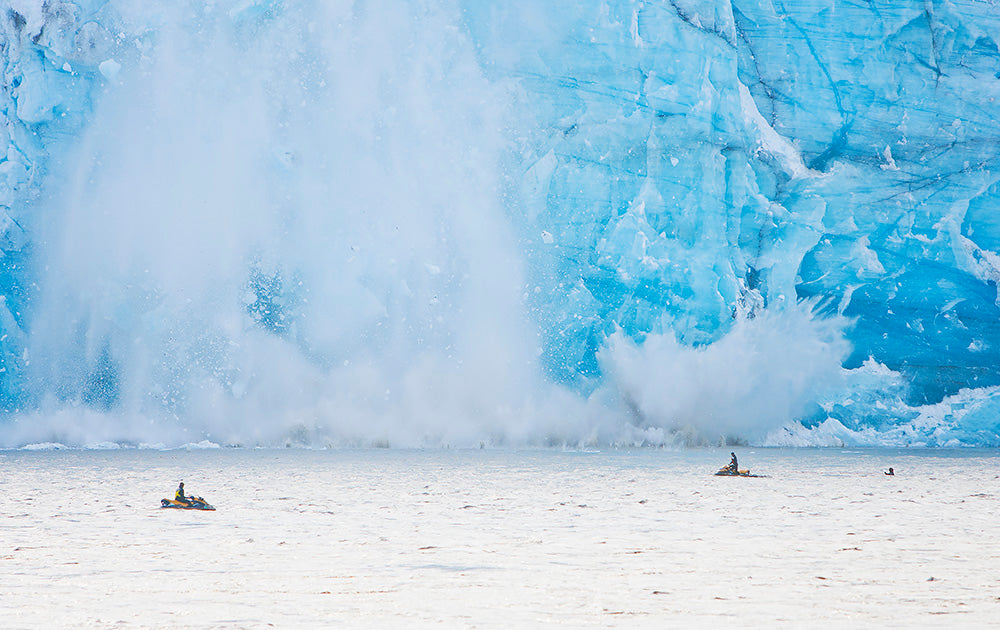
(194, 503)
(726, 471)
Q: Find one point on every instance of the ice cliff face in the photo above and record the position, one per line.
(44, 102)
(632, 199)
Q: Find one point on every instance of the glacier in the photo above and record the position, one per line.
(446, 222)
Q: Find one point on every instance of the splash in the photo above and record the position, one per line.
(765, 373)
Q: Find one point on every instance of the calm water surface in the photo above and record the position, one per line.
(499, 539)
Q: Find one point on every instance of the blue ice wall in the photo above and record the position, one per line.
(668, 169)
(49, 57)
(671, 206)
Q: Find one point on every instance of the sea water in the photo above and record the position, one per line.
(499, 539)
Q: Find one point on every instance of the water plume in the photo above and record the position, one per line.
(284, 224)
(763, 374)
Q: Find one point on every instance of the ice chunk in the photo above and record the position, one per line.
(110, 68)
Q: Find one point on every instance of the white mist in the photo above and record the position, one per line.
(288, 227)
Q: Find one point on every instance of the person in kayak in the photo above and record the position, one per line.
(733, 465)
(891, 472)
(179, 495)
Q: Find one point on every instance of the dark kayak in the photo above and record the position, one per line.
(726, 471)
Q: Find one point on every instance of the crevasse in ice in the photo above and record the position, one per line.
(456, 222)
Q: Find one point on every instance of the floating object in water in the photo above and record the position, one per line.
(193, 503)
(726, 471)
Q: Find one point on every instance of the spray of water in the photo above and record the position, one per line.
(286, 225)
(762, 375)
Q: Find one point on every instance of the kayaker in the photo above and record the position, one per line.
(890, 471)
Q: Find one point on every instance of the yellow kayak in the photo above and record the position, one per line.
(194, 503)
